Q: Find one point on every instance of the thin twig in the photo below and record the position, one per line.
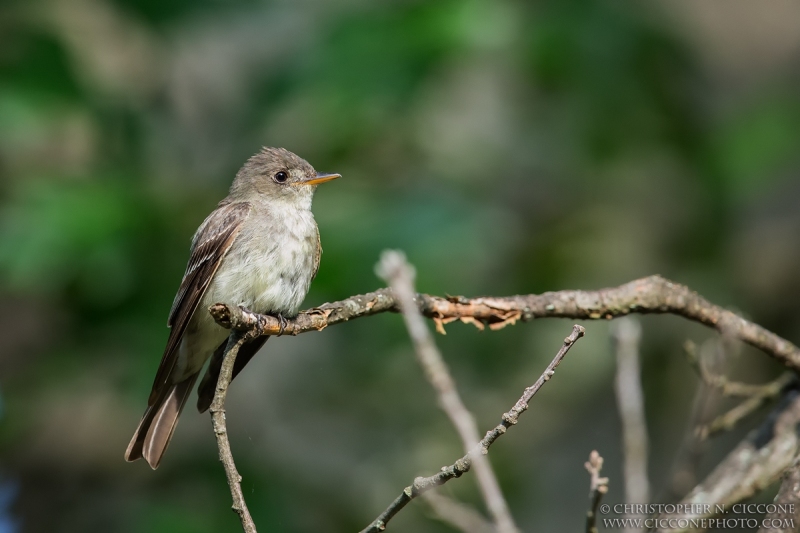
(424, 484)
(395, 270)
(630, 401)
(756, 395)
(217, 409)
(598, 486)
(649, 295)
(458, 515)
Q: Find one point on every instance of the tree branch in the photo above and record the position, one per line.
(217, 409)
(395, 270)
(463, 465)
(653, 294)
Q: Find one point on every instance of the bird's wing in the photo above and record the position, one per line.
(209, 246)
(317, 256)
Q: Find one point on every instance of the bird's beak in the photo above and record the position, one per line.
(319, 178)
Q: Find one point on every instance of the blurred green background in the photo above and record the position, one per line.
(506, 146)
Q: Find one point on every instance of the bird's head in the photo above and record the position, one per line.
(278, 174)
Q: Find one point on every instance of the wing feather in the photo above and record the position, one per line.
(209, 246)
(317, 255)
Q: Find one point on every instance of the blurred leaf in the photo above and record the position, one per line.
(756, 144)
(36, 63)
(53, 232)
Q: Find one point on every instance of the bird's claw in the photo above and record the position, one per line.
(283, 324)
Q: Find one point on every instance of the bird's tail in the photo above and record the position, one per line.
(158, 423)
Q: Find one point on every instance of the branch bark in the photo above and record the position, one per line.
(649, 295)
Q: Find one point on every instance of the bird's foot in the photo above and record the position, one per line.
(283, 322)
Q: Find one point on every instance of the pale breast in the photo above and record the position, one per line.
(270, 265)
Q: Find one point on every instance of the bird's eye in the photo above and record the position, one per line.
(281, 177)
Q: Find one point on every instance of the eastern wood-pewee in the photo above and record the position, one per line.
(259, 249)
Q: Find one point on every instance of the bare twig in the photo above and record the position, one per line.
(757, 395)
(753, 465)
(598, 486)
(458, 515)
(786, 515)
(394, 269)
(653, 294)
(422, 485)
(220, 429)
(630, 402)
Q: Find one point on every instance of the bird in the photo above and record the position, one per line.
(259, 249)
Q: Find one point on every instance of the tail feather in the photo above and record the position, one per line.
(155, 430)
